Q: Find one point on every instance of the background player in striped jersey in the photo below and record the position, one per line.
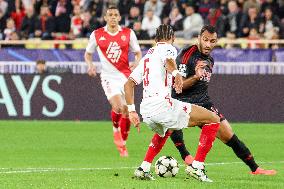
(113, 43)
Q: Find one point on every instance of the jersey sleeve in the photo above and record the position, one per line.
(169, 52)
(137, 75)
(133, 43)
(182, 68)
(185, 66)
(92, 44)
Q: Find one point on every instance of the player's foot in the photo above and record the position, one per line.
(196, 173)
(141, 175)
(120, 145)
(123, 151)
(117, 140)
(188, 160)
(260, 171)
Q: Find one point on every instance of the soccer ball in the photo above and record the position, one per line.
(166, 166)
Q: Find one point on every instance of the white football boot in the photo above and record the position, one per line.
(197, 173)
(140, 174)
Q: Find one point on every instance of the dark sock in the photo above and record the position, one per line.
(242, 152)
(177, 138)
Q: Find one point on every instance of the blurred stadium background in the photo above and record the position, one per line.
(247, 85)
(249, 59)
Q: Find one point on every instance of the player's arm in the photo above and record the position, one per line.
(171, 67)
(88, 56)
(129, 93)
(134, 46)
(189, 81)
(134, 79)
(138, 56)
(129, 97)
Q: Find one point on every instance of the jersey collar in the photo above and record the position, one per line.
(160, 43)
(119, 29)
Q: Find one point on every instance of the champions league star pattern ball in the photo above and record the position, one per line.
(166, 166)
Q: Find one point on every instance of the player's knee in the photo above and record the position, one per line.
(214, 118)
(125, 111)
(117, 108)
(225, 134)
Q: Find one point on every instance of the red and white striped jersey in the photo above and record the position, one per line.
(113, 49)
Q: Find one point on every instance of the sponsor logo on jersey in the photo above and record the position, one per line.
(113, 52)
(170, 53)
(182, 69)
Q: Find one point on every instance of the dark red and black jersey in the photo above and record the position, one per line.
(186, 61)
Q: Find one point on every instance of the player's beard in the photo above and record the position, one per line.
(203, 50)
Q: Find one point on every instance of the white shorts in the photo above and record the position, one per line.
(113, 86)
(174, 116)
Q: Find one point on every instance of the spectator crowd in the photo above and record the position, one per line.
(70, 19)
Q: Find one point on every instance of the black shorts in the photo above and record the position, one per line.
(210, 106)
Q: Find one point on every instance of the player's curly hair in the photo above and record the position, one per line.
(164, 32)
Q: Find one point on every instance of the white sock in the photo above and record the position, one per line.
(198, 164)
(115, 129)
(146, 166)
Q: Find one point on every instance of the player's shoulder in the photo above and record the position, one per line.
(166, 46)
(190, 49)
(99, 30)
(166, 49)
(126, 29)
(186, 52)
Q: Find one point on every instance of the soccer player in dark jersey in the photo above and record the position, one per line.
(195, 64)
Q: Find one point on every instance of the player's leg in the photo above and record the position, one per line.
(227, 136)
(113, 88)
(113, 94)
(177, 119)
(156, 145)
(124, 123)
(210, 124)
(117, 107)
(177, 138)
(163, 123)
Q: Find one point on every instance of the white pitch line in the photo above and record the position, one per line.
(48, 169)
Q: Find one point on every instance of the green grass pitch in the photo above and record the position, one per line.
(67, 155)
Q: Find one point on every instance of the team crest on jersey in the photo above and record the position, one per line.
(123, 37)
(113, 52)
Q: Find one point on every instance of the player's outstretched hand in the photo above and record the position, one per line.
(200, 69)
(92, 71)
(178, 84)
(135, 120)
